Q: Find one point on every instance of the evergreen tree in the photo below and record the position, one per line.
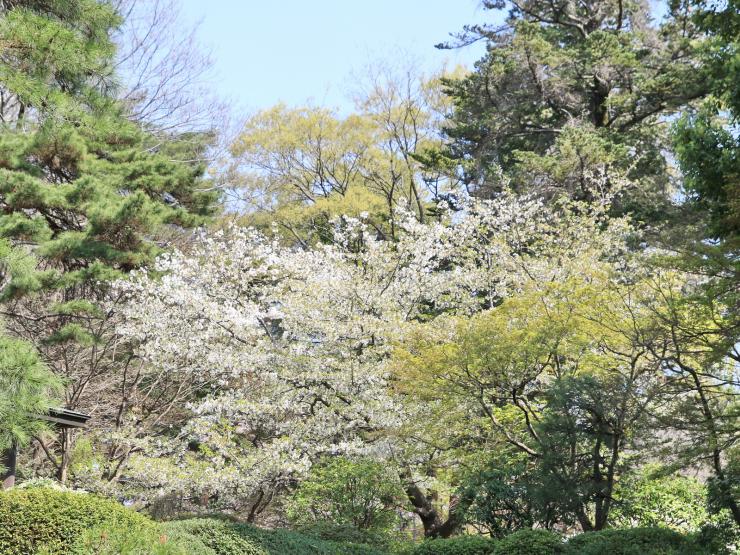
(27, 390)
(83, 191)
(707, 148)
(571, 91)
(707, 240)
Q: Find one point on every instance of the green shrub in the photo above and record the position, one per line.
(115, 539)
(287, 542)
(232, 538)
(530, 542)
(652, 498)
(35, 518)
(218, 535)
(714, 538)
(502, 495)
(343, 533)
(461, 545)
(630, 541)
(362, 493)
(194, 544)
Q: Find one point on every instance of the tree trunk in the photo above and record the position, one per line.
(66, 447)
(434, 526)
(9, 465)
(599, 96)
(583, 520)
(714, 442)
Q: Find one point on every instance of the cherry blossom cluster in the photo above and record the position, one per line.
(293, 345)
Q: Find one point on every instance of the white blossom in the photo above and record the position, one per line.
(295, 343)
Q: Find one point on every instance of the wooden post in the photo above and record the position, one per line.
(9, 463)
(62, 418)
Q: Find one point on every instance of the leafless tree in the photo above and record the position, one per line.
(164, 70)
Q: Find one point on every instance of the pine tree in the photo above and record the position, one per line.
(569, 91)
(83, 191)
(707, 148)
(27, 390)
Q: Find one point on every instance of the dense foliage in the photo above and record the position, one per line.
(44, 521)
(360, 494)
(634, 541)
(569, 89)
(28, 389)
(534, 542)
(55, 520)
(84, 194)
(117, 538)
(229, 538)
(489, 311)
(462, 545)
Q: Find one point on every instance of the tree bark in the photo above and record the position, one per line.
(434, 526)
(66, 448)
(599, 96)
(9, 465)
(714, 444)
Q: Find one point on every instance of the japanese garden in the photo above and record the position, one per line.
(486, 309)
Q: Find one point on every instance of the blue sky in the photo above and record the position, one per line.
(267, 51)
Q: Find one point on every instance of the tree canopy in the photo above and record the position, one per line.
(483, 301)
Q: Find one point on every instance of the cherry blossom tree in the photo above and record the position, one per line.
(293, 346)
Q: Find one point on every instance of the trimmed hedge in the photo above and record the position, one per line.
(44, 521)
(461, 545)
(231, 538)
(530, 542)
(217, 535)
(344, 533)
(33, 519)
(133, 540)
(633, 541)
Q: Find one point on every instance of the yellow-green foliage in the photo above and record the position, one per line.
(537, 373)
(299, 167)
(576, 320)
(43, 520)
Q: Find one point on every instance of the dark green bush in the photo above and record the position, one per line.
(630, 541)
(461, 545)
(232, 538)
(530, 542)
(35, 518)
(218, 535)
(287, 542)
(128, 539)
(715, 538)
(344, 533)
(358, 492)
